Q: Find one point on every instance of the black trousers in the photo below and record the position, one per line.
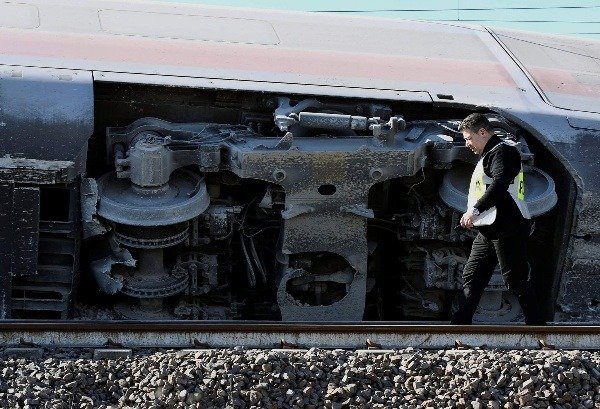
(511, 253)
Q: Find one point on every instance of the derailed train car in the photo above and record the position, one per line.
(186, 162)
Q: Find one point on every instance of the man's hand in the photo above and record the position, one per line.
(467, 219)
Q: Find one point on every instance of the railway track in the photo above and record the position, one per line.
(100, 334)
(109, 364)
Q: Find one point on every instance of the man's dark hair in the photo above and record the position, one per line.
(475, 122)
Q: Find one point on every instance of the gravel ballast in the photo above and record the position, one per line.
(406, 378)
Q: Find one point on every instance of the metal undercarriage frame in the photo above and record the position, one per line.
(326, 181)
(334, 223)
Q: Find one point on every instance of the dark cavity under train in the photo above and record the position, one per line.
(191, 162)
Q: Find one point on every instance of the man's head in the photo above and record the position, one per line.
(477, 131)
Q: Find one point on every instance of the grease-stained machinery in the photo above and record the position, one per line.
(177, 172)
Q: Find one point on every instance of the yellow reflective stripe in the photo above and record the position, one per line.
(521, 191)
(479, 188)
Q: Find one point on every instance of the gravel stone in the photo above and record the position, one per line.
(316, 378)
(528, 384)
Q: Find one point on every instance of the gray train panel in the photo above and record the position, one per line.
(47, 115)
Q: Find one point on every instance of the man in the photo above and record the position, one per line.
(497, 208)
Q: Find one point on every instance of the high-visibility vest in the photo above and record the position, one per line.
(480, 182)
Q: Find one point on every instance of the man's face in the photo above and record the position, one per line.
(475, 140)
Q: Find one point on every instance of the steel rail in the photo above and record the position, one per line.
(260, 334)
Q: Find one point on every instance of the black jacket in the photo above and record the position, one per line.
(502, 165)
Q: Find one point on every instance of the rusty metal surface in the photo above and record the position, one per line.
(269, 335)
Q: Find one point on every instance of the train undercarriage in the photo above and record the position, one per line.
(217, 205)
